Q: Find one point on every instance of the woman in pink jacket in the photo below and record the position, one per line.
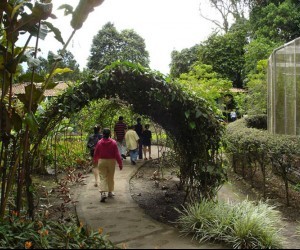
(106, 155)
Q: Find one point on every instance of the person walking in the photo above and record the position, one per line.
(119, 135)
(132, 142)
(233, 115)
(139, 130)
(91, 144)
(147, 138)
(105, 156)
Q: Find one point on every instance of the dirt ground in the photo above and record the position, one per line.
(158, 195)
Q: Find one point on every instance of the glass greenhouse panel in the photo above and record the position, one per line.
(284, 89)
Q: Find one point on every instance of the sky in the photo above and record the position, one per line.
(165, 25)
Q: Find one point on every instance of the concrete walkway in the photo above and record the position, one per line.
(124, 221)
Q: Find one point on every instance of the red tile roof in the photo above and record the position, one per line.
(237, 90)
(20, 89)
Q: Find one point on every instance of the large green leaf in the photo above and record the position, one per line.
(192, 125)
(56, 31)
(68, 9)
(17, 121)
(82, 11)
(187, 114)
(31, 122)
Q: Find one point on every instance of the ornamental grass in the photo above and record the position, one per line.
(245, 225)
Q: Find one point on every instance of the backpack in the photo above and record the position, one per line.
(92, 141)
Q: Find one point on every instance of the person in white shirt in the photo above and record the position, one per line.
(132, 143)
(233, 115)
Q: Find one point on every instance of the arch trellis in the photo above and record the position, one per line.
(186, 118)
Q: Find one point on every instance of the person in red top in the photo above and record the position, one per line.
(106, 155)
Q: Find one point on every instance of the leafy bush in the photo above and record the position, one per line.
(257, 121)
(19, 233)
(241, 226)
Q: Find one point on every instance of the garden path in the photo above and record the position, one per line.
(124, 221)
(129, 227)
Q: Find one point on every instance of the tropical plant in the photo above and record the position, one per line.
(18, 115)
(17, 232)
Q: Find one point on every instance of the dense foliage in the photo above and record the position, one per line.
(109, 45)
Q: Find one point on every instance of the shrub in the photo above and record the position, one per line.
(257, 121)
(248, 148)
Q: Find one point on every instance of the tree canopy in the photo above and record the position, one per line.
(109, 45)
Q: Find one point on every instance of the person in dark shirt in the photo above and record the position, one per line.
(119, 135)
(147, 137)
(139, 130)
(91, 144)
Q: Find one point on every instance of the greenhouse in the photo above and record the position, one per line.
(284, 89)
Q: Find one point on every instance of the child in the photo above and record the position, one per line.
(147, 136)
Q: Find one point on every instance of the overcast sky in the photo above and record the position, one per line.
(165, 25)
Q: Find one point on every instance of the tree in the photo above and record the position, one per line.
(256, 99)
(258, 49)
(230, 11)
(67, 60)
(182, 61)
(109, 45)
(206, 83)
(279, 23)
(226, 54)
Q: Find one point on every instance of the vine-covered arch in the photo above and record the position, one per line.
(186, 118)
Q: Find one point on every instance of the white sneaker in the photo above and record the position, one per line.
(110, 194)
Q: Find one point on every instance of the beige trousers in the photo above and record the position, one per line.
(107, 169)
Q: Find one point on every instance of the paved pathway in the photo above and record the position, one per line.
(124, 221)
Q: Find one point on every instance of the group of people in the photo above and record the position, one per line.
(133, 140)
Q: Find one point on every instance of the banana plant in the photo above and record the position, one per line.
(18, 124)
